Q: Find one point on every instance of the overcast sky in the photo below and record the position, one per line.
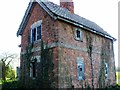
(102, 12)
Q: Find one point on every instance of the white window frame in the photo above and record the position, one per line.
(35, 26)
(81, 34)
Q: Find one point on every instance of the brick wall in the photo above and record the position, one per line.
(71, 49)
(49, 35)
(60, 37)
(49, 27)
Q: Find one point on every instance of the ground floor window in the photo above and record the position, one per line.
(80, 68)
(33, 69)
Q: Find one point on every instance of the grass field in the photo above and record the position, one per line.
(118, 77)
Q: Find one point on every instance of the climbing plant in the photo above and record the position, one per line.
(89, 44)
(25, 68)
(105, 56)
(101, 79)
(46, 74)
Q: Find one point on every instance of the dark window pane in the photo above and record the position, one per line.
(80, 70)
(78, 33)
(39, 32)
(34, 69)
(34, 35)
(106, 69)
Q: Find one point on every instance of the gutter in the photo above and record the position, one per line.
(55, 16)
(87, 28)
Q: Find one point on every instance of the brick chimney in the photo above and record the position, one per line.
(68, 4)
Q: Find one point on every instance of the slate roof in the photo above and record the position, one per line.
(58, 12)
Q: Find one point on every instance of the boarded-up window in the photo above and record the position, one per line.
(80, 68)
(106, 69)
(33, 68)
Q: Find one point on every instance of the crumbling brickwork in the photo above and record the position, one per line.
(60, 37)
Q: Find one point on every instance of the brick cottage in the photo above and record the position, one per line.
(79, 47)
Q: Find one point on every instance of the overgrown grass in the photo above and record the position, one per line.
(118, 75)
(118, 78)
(7, 81)
(10, 85)
(16, 85)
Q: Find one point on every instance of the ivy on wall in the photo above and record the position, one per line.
(105, 56)
(46, 74)
(89, 45)
(45, 68)
(25, 68)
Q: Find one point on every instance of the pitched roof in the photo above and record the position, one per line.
(60, 13)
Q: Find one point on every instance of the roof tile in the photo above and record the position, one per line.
(64, 13)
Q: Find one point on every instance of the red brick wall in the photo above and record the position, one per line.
(49, 26)
(49, 35)
(64, 57)
(68, 55)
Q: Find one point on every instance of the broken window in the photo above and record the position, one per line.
(78, 34)
(106, 69)
(36, 34)
(33, 68)
(80, 68)
(39, 32)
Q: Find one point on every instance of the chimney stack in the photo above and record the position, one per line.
(68, 4)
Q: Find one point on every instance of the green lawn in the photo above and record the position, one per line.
(118, 77)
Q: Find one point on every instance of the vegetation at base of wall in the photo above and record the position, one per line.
(46, 74)
(46, 66)
(118, 77)
(17, 85)
(25, 70)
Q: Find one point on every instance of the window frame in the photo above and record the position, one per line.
(33, 68)
(35, 26)
(80, 74)
(81, 34)
(106, 69)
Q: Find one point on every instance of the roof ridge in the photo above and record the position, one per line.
(85, 22)
(57, 12)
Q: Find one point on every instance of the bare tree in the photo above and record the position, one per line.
(6, 59)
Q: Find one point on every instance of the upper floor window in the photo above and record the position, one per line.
(36, 30)
(78, 34)
(80, 68)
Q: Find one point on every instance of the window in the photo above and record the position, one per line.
(36, 33)
(106, 69)
(33, 68)
(78, 34)
(80, 68)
